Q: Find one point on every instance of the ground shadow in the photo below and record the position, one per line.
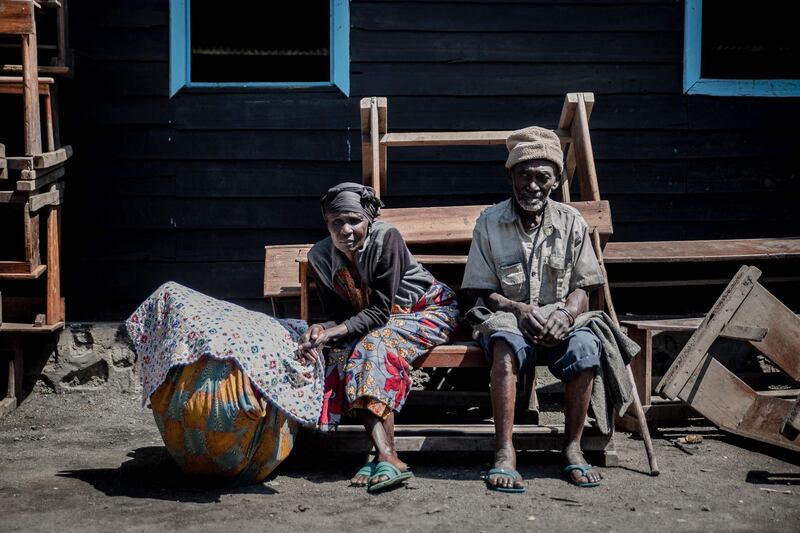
(762, 477)
(151, 473)
(339, 467)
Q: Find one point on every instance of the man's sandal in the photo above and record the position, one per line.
(395, 476)
(368, 470)
(583, 470)
(500, 472)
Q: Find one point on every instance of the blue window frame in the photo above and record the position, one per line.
(180, 74)
(693, 83)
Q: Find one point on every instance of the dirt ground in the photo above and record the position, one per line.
(95, 462)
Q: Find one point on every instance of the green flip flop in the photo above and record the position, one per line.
(501, 472)
(583, 469)
(394, 474)
(368, 470)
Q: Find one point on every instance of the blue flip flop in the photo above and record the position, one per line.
(368, 470)
(395, 476)
(583, 469)
(501, 472)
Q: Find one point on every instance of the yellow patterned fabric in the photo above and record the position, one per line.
(215, 425)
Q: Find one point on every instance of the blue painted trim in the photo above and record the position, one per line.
(778, 88)
(340, 45)
(257, 84)
(180, 69)
(694, 84)
(692, 40)
(178, 41)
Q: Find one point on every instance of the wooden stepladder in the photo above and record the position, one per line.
(746, 311)
(575, 138)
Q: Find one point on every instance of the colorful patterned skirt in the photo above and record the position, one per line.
(215, 425)
(374, 372)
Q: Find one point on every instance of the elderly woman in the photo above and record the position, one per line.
(386, 312)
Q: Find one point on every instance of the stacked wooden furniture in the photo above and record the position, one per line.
(31, 194)
(449, 228)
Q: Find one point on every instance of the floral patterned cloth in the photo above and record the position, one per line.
(374, 372)
(176, 326)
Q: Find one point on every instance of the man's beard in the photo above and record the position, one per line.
(532, 206)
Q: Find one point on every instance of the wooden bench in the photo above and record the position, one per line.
(450, 226)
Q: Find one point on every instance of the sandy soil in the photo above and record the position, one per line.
(94, 462)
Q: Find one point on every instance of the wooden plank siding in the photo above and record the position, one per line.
(191, 188)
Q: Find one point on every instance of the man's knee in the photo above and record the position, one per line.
(580, 354)
(504, 360)
(584, 343)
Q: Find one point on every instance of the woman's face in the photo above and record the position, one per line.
(348, 230)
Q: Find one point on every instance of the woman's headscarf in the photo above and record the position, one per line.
(351, 197)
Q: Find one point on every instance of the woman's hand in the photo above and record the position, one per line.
(309, 348)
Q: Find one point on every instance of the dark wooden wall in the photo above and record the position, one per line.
(192, 188)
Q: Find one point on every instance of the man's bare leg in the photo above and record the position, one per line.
(577, 394)
(504, 393)
(382, 434)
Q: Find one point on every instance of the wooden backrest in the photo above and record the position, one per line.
(16, 17)
(454, 224)
(418, 225)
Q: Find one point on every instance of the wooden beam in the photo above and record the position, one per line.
(584, 154)
(454, 138)
(49, 159)
(791, 423)
(693, 352)
(717, 394)
(702, 251)
(52, 197)
(33, 180)
(375, 147)
(41, 161)
(781, 343)
(18, 327)
(26, 272)
(55, 309)
(30, 96)
(16, 17)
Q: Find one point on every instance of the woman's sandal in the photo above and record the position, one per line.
(395, 476)
(368, 470)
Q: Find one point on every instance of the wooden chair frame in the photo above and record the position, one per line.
(745, 311)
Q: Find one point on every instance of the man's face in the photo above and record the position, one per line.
(533, 181)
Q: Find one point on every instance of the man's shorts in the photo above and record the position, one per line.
(579, 351)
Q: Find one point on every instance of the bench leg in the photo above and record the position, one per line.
(14, 383)
(642, 364)
(531, 415)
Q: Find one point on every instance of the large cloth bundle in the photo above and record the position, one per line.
(215, 425)
(227, 392)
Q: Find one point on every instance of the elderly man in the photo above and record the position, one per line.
(532, 262)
